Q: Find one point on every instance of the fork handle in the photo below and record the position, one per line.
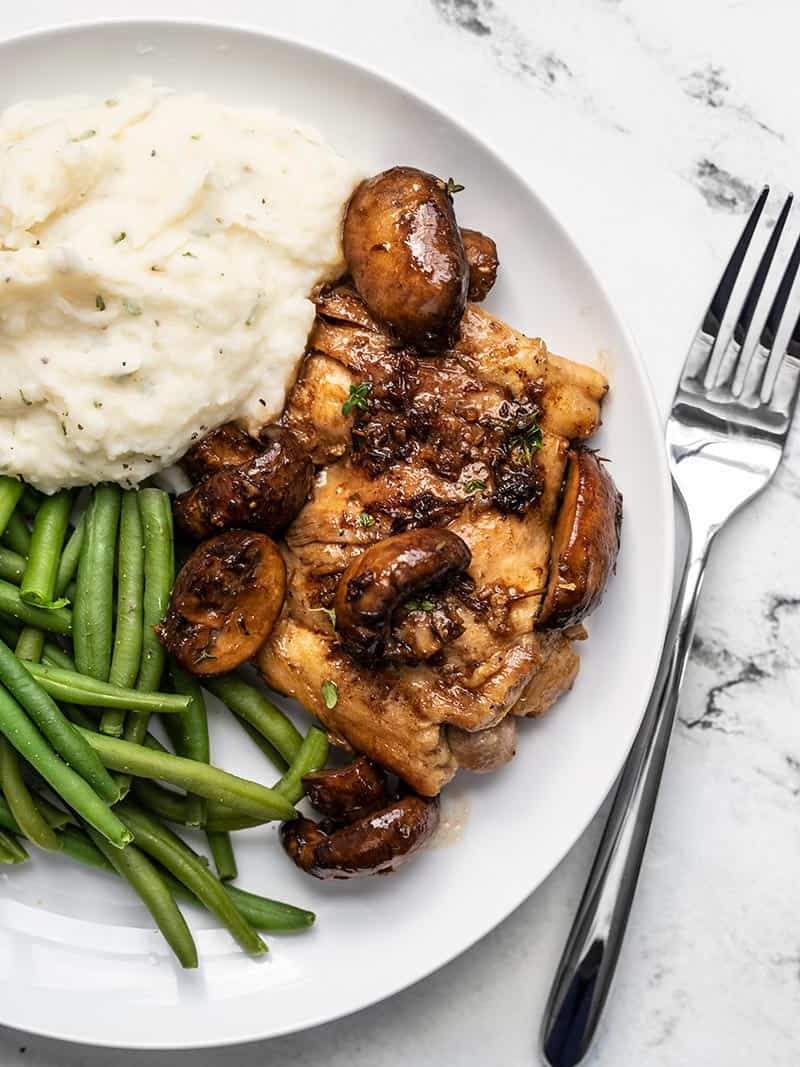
(586, 969)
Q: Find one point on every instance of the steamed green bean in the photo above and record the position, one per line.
(93, 610)
(38, 584)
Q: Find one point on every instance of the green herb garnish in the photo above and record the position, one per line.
(473, 484)
(452, 187)
(120, 237)
(358, 398)
(330, 612)
(526, 442)
(203, 655)
(99, 303)
(132, 307)
(84, 136)
(420, 605)
(365, 520)
(330, 695)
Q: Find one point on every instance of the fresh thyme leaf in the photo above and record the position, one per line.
(473, 484)
(330, 694)
(365, 520)
(99, 303)
(84, 136)
(120, 237)
(330, 611)
(452, 187)
(189, 255)
(420, 605)
(526, 442)
(132, 307)
(358, 398)
(203, 655)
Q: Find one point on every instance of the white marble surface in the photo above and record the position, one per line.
(646, 126)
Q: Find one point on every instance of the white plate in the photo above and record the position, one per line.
(77, 958)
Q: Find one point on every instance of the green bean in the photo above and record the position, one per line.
(55, 656)
(219, 841)
(164, 846)
(174, 807)
(53, 816)
(59, 731)
(266, 914)
(11, 490)
(16, 535)
(20, 801)
(251, 798)
(269, 750)
(137, 870)
(189, 732)
(30, 644)
(94, 596)
(12, 565)
(34, 748)
(81, 689)
(249, 704)
(79, 717)
(312, 756)
(128, 634)
(12, 604)
(78, 846)
(70, 557)
(11, 851)
(49, 529)
(9, 632)
(260, 912)
(30, 501)
(159, 572)
(70, 746)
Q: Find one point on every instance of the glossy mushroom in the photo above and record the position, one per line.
(405, 253)
(346, 793)
(265, 493)
(585, 542)
(482, 262)
(224, 602)
(227, 446)
(373, 844)
(390, 571)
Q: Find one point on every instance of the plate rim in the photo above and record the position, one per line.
(665, 591)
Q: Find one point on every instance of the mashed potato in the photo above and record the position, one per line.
(156, 256)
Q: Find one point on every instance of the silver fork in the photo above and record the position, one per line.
(725, 437)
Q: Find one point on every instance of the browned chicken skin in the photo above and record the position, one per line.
(473, 440)
(440, 564)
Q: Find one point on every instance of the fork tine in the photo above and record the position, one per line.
(744, 336)
(728, 319)
(780, 329)
(694, 368)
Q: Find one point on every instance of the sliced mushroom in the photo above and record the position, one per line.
(482, 261)
(227, 446)
(405, 253)
(265, 493)
(224, 602)
(347, 793)
(373, 844)
(585, 542)
(484, 750)
(384, 575)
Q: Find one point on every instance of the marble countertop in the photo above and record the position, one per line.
(646, 127)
